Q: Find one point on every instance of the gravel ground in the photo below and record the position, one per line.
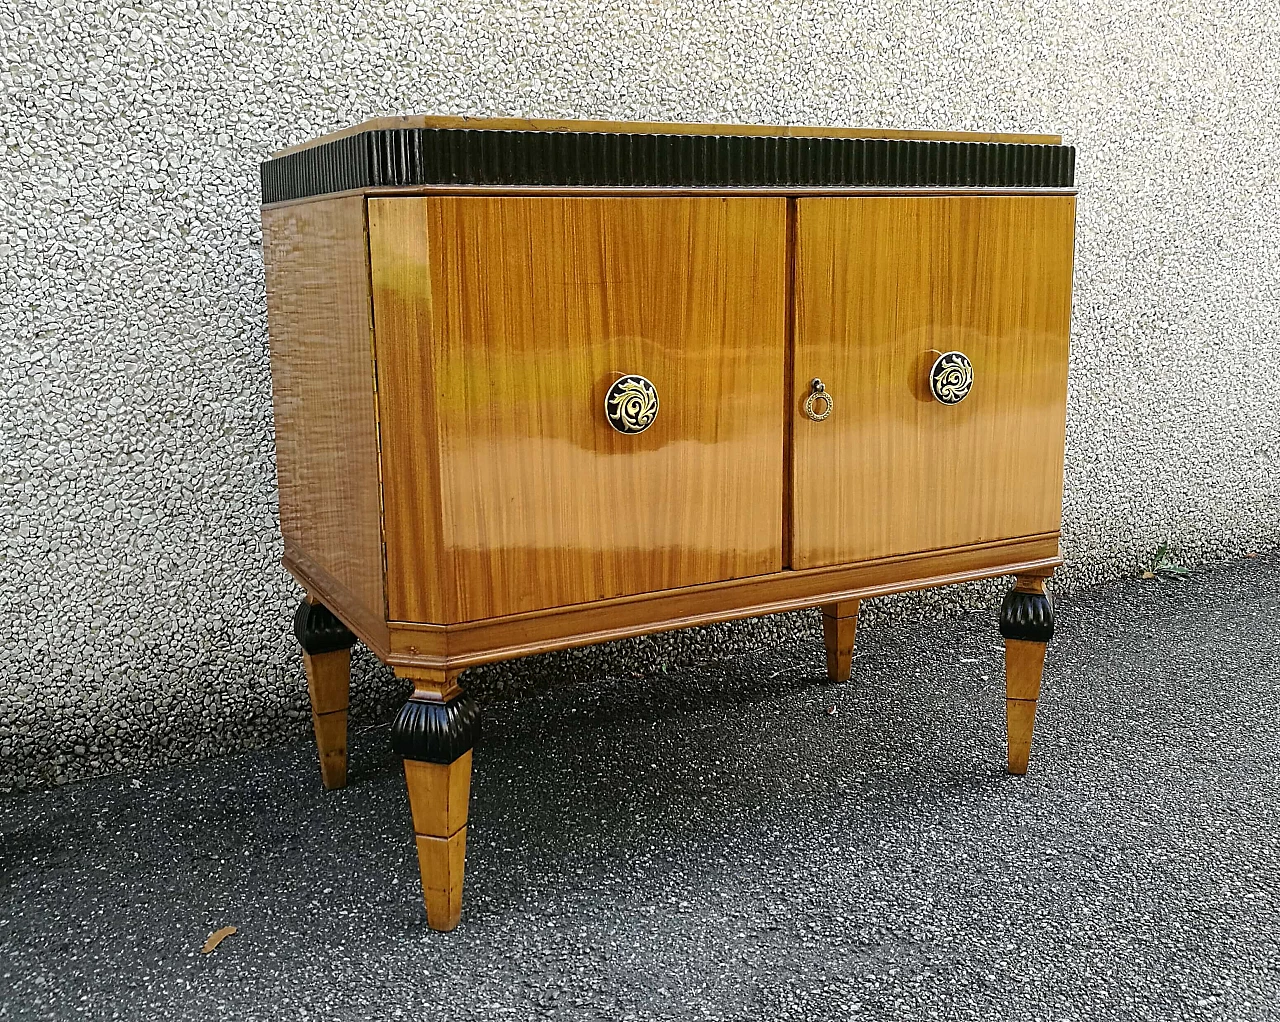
(716, 842)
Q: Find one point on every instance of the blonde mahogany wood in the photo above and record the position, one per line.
(1024, 666)
(501, 323)
(839, 632)
(884, 285)
(369, 627)
(1023, 670)
(450, 489)
(439, 794)
(467, 645)
(409, 644)
(328, 684)
(1030, 584)
(441, 865)
(431, 683)
(788, 389)
(652, 127)
(318, 312)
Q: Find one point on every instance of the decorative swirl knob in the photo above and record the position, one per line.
(951, 377)
(631, 404)
(818, 392)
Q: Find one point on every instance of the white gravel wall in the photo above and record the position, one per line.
(143, 614)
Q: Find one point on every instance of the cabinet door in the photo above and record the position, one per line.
(883, 287)
(501, 324)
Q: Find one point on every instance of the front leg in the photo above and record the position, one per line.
(1026, 622)
(326, 653)
(434, 733)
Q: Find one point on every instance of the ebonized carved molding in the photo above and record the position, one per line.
(1027, 616)
(436, 732)
(409, 157)
(318, 631)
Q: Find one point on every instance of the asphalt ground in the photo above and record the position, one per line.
(731, 839)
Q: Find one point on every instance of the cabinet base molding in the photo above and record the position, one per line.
(421, 645)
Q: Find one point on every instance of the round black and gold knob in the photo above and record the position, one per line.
(818, 404)
(951, 377)
(631, 404)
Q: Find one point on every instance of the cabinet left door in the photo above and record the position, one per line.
(502, 323)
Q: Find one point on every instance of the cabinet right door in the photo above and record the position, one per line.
(884, 286)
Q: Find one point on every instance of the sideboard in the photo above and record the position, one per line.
(543, 384)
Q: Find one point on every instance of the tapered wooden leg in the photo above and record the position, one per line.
(839, 631)
(438, 795)
(1026, 622)
(328, 685)
(1023, 666)
(326, 654)
(434, 733)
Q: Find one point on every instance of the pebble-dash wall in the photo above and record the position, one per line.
(143, 614)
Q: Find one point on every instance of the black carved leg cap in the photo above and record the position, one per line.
(318, 631)
(435, 732)
(1027, 616)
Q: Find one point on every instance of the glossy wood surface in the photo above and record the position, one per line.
(450, 487)
(415, 645)
(431, 684)
(670, 128)
(318, 309)
(883, 286)
(501, 323)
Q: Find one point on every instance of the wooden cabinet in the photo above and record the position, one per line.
(540, 385)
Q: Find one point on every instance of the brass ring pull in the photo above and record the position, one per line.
(818, 392)
(951, 377)
(631, 404)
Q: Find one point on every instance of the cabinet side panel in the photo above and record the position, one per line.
(318, 305)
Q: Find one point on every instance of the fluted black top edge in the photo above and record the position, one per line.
(408, 157)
